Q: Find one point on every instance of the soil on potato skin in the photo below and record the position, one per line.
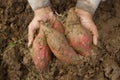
(15, 58)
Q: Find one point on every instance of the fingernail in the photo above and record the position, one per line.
(29, 44)
(95, 43)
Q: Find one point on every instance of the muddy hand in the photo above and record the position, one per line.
(88, 23)
(44, 14)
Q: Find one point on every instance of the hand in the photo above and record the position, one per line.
(88, 23)
(44, 14)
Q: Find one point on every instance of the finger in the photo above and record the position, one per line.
(95, 36)
(95, 40)
(31, 32)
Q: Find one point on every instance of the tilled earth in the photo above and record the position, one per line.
(15, 58)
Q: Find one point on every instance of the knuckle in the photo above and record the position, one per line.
(31, 28)
(30, 25)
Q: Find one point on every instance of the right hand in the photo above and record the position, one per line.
(44, 14)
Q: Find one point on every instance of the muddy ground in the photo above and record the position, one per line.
(15, 59)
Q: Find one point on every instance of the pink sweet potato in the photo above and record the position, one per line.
(59, 45)
(58, 26)
(78, 37)
(40, 51)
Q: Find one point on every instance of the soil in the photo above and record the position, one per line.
(15, 58)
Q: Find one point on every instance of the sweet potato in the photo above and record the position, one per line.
(78, 37)
(59, 45)
(40, 51)
(58, 26)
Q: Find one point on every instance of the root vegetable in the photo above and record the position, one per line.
(78, 37)
(59, 45)
(40, 51)
(58, 26)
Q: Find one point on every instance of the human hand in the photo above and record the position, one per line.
(44, 14)
(88, 23)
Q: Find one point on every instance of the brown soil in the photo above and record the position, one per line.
(15, 59)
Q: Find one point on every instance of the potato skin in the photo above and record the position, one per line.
(59, 45)
(41, 53)
(78, 37)
(58, 26)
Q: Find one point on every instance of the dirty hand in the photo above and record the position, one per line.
(88, 23)
(44, 14)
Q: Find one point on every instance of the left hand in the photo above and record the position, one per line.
(88, 23)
